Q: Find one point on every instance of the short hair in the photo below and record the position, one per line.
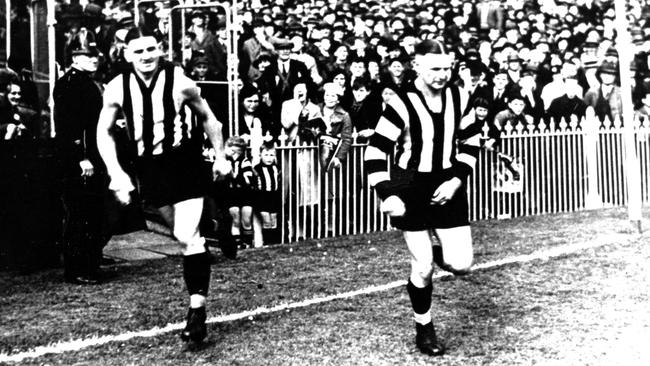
(236, 141)
(139, 32)
(267, 146)
(429, 46)
(359, 83)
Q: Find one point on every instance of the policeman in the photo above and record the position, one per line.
(77, 103)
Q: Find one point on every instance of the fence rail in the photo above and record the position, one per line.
(553, 161)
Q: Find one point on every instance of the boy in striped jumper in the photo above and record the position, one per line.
(435, 149)
(269, 197)
(239, 195)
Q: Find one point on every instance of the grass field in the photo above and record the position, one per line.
(588, 306)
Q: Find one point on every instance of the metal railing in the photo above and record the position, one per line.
(553, 162)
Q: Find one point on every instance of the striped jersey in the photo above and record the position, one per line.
(268, 177)
(157, 118)
(242, 173)
(422, 140)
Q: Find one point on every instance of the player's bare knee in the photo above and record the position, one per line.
(421, 271)
(459, 266)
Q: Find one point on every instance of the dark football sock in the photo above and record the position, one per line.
(196, 272)
(420, 297)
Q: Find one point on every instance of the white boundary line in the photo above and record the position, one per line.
(76, 345)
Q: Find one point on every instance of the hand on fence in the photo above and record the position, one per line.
(393, 206)
(445, 191)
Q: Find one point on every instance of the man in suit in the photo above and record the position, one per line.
(283, 78)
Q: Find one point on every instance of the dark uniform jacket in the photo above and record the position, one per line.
(77, 103)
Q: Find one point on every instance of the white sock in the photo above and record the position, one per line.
(422, 319)
(197, 301)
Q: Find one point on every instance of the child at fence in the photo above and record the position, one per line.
(269, 197)
(239, 191)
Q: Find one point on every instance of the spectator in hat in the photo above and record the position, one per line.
(217, 51)
(299, 52)
(397, 74)
(252, 47)
(514, 67)
(282, 77)
(604, 101)
(204, 37)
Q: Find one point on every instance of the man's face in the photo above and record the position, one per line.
(14, 94)
(144, 53)
(607, 79)
(357, 69)
(251, 103)
(284, 54)
(268, 156)
(200, 70)
(517, 106)
(514, 65)
(500, 81)
(88, 63)
(434, 69)
(360, 94)
(339, 80)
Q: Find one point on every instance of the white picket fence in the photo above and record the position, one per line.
(564, 167)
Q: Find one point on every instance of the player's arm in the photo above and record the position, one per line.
(211, 126)
(120, 181)
(381, 145)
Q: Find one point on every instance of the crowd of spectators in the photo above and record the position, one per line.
(313, 68)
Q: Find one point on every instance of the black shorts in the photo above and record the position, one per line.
(417, 190)
(237, 197)
(173, 177)
(268, 201)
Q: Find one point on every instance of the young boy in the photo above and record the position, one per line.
(239, 192)
(269, 198)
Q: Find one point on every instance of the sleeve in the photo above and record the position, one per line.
(346, 137)
(469, 145)
(390, 127)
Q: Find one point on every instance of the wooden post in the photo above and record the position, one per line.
(625, 54)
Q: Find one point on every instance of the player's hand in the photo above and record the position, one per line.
(336, 163)
(220, 169)
(121, 186)
(367, 132)
(446, 191)
(87, 168)
(393, 206)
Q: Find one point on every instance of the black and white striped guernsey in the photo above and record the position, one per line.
(422, 140)
(155, 127)
(268, 177)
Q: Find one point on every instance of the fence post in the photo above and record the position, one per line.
(590, 125)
